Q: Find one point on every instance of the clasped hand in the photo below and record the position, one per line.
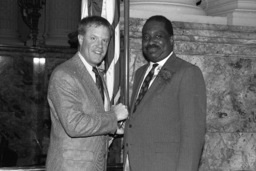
(121, 114)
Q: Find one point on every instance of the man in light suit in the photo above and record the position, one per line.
(81, 117)
(166, 127)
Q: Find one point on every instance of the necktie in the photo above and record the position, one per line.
(99, 82)
(144, 87)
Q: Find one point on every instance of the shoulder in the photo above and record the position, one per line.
(142, 68)
(185, 65)
(65, 69)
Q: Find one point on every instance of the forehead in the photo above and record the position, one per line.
(98, 29)
(154, 26)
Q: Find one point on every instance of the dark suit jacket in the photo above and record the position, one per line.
(166, 132)
(80, 124)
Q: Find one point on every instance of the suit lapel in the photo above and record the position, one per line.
(86, 77)
(172, 65)
(137, 85)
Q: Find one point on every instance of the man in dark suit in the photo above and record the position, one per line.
(80, 111)
(166, 127)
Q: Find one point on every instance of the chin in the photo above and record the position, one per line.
(152, 58)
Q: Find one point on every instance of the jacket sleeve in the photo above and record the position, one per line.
(192, 100)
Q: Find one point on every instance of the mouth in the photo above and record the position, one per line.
(98, 52)
(152, 48)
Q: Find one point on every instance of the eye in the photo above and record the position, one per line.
(93, 38)
(145, 37)
(159, 36)
(106, 41)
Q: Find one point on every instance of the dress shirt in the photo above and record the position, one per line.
(157, 69)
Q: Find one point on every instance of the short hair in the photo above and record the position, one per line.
(159, 18)
(93, 21)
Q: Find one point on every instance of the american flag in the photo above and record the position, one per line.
(109, 9)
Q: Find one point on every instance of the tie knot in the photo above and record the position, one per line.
(154, 65)
(94, 69)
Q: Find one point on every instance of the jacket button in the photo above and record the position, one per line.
(126, 144)
(130, 125)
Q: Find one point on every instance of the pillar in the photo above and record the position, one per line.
(238, 12)
(145, 9)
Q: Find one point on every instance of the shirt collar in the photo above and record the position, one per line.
(162, 62)
(86, 64)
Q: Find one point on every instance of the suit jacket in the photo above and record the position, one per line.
(80, 124)
(166, 132)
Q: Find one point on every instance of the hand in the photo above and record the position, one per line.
(120, 111)
(120, 131)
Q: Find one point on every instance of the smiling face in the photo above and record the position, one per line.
(94, 44)
(157, 43)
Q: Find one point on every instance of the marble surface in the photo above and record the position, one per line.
(24, 112)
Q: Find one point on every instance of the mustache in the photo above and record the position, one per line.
(152, 46)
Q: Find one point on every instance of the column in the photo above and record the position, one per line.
(8, 22)
(145, 9)
(63, 19)
(238, 12)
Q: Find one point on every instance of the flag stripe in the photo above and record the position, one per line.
(91, 7)
(109, 9)
(112, 60)
(84, 8)
(96, 7)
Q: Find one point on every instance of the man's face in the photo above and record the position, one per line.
(157, 43)
(94, 44)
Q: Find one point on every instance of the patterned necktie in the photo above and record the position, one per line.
(145, 85)
(99, 82)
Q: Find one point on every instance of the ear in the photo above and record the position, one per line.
(80, 39)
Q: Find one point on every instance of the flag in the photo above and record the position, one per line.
(109, 9)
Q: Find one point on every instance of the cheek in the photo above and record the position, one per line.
(105, 47)
(144, 43)
(85, 46)
(162, 43)
(87, 50)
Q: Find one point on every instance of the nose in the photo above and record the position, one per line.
(151, 40)
(100, 43)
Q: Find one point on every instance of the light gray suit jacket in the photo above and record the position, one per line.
(166, 132)
(80, 124)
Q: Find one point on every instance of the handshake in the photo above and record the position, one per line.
(121, 112)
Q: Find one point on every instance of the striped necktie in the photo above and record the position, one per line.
(99, 82)
(145, 85)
